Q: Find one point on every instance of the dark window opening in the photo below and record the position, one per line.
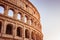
(26, 5)
(0, 26)
(9, 29)
(32, 36)
(19, 32)
(26, 33)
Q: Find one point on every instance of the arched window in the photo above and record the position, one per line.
(19, 16)
(1, 9)
(10, 13)
(0, 26)
(25, 19)
(26, 33)
(9, 28)
(19, 31)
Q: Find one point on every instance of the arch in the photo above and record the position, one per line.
(9, 29)
(26, 33)
(31, 22)
(19, 16)
(19, 32)
(10, 12)
(25, 19)
(0, 26)
(1, 9)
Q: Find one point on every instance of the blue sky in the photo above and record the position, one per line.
(50, 17)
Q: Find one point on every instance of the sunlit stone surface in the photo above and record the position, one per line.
(19, 20)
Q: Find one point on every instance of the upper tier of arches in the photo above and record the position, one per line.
(26, 6)
(20, 16)
(17, 13)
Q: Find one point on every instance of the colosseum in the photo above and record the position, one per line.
(19, 20)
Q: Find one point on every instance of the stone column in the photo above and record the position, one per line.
(4, 28)
(14, 30)
(33, 23)
(15, 14)
(28, 21)
(23, 33)
(30, 35)
(6, 11)
(35, 36)
(22, 18)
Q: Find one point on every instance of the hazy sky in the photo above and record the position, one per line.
(50, 17)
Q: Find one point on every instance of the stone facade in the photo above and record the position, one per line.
(19, 20)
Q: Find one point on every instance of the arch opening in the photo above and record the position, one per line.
(10, 12)
(19, 32)
(19, 16)
(26, 33)
(0, 26)
(9, 28)
(1, 9)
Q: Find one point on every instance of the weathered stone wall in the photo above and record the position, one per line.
(29, 20)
